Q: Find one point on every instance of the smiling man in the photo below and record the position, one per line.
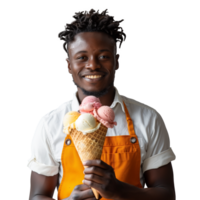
(136, 152)
(92, 62)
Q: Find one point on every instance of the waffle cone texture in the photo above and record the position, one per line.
(89, 146)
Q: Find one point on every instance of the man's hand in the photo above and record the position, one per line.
(101, 176)
(81, 192)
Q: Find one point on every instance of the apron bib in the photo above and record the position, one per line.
(120, 152)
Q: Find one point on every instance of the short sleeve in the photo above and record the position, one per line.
(159, 152)
(42, 159)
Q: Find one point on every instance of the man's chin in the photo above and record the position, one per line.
(95, 93)
(99, 93)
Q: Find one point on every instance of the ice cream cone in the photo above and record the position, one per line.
(89, 146)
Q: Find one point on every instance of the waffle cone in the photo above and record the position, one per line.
(89, 146)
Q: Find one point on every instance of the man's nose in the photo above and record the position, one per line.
(92, 64)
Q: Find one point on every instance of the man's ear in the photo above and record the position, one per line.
(65, 60)
(69, 65)
(118, 61)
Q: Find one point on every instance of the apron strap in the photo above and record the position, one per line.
(129, 121)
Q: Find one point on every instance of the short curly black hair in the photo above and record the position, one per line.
(92, 21)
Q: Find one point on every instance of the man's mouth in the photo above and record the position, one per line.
(93, 76)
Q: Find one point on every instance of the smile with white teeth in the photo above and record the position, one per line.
(93, 76)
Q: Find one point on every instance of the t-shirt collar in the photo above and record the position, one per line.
(117, 99)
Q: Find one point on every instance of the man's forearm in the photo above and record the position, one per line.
(130, 192)
(41, 197)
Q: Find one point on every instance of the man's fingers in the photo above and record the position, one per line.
(95, 178)
(82, 192)
(95, 170)
(92, 184)
(81, 187)
(98, 163)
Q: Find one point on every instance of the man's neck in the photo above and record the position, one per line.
(106, 99)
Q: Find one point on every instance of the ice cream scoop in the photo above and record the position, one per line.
(105, 115)
(86, 123)
(89, 103)
(69, 119)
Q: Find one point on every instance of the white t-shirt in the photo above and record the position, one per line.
(149, 127)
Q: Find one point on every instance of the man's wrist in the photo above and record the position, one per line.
(120, 189)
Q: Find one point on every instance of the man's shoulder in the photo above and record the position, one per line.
(141, 112)
(136, 105)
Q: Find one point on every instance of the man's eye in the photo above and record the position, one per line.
(81, 57)
(100, 56)
(103, 57)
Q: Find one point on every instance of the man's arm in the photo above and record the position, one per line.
(42, 187)
(42, 197)
(160, 186)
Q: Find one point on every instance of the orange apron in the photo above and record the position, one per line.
(121, 152)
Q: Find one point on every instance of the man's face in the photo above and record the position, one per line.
(92, 61)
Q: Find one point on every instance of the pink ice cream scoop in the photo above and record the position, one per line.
(106, 116)
(89, 103)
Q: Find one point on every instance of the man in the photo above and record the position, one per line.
(145, 155)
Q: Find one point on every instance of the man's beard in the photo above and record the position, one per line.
(94, 93)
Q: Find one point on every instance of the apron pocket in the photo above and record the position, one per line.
(116, 159)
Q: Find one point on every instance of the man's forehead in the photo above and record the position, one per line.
(85, 40)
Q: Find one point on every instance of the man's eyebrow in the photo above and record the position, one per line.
(102, 50)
